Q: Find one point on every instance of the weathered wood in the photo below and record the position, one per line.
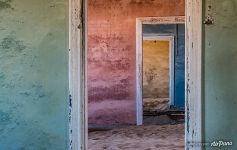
(163, 20)
(77, 80)
(158, 113)
(193, 74)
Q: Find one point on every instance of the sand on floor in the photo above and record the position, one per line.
(152, 137)
(156, 104)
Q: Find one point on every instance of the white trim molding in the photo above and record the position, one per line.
(139, 55)
(162, 20)
(193, 75)
(77, 76)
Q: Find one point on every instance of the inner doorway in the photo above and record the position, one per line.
(158, 76)
(160, 70)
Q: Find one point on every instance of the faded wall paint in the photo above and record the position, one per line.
(156, 69)
(156, 75)
(220, 74)
(112, 53)
(33, 74)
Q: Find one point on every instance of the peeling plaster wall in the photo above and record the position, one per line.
(220, 74)
(33, 74)
(112, 53)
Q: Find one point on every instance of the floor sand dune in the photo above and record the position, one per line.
(155, 137)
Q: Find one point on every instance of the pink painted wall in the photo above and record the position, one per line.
(112, 55)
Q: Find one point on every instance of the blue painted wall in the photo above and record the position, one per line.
(178, 31)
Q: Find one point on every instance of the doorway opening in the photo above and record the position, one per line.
(160, 70)
(158, 77)
(79, 44)
(111, 77)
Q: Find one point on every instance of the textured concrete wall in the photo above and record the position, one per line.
(111, 55)
(220, 74)
(156, 69)
(33, 74)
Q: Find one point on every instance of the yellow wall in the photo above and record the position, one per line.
(155, 69)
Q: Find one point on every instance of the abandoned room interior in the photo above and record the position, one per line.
(114, 106)
(113, 51)
(118, 74)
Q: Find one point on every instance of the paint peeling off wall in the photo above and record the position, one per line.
(33, 74)
(5, 4)
(112, 52)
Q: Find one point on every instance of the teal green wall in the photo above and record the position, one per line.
(220, 73)
(33, 74)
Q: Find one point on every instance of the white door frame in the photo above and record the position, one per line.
(152, 37)
(193, 75)
(139, 55)
(77, 74)
(78, 126)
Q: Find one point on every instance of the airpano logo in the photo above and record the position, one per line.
(221, 143)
